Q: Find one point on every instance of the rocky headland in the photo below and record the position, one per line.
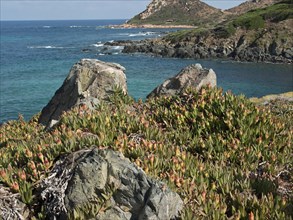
(259, 35)
(176, 12)
(266, 45)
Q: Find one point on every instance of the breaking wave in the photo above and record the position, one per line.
(46, 47)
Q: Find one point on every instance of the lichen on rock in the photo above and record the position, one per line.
(107, 180)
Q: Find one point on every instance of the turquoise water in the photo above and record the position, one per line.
(36, 56)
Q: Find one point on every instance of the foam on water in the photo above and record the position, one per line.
(46, 47)
(142, 34)
(97, 45)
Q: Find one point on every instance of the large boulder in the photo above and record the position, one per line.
(107, 182)
(191, 76)
(89, 82)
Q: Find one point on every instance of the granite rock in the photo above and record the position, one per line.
(89, 82)
(191, 76)
(106, 177)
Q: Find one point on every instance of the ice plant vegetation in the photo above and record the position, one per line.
(226, 157)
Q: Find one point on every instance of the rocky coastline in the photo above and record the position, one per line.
(259, 35)
(159, 26)
(243, 46)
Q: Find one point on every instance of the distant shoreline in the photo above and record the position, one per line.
(150, 26)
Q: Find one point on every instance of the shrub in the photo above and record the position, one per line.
(226, 157)
(256, 18)
(249, 22)
(224, 31)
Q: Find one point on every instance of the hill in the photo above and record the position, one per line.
(191, 12)
(177, 12)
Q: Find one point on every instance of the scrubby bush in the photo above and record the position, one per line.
(224, 31)
(186, 35)
(226, 157)
(255, 19)
(249, 22)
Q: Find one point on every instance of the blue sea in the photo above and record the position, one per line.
(36, 56)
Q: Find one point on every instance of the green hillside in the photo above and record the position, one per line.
(183, 12)
(253, 20)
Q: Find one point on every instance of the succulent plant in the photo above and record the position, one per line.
(225, 156)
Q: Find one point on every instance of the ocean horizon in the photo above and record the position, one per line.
(36, 56)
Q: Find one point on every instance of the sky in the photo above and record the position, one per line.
(82, 9)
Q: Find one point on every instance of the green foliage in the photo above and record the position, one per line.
(249, 22)
(255, 19)
(225, 156)
(118, 97)
(278, 12)
(224, 31)
(183, 35)
(26, 193)
(252, 20)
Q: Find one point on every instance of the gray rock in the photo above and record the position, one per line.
(107, 177)
(191, 76)
(184, 52)
(288, 53)
(88, 82)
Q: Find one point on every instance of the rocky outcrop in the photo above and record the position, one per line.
(263, 45)
(153, 7)
(262, 35)
(89, 82)
(191, 76)
(108, 182)
(178, 12)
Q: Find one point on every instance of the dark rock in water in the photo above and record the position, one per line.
(88, 82)
(191, 76)
(86, 50)
(119, 43)
(108, 179)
